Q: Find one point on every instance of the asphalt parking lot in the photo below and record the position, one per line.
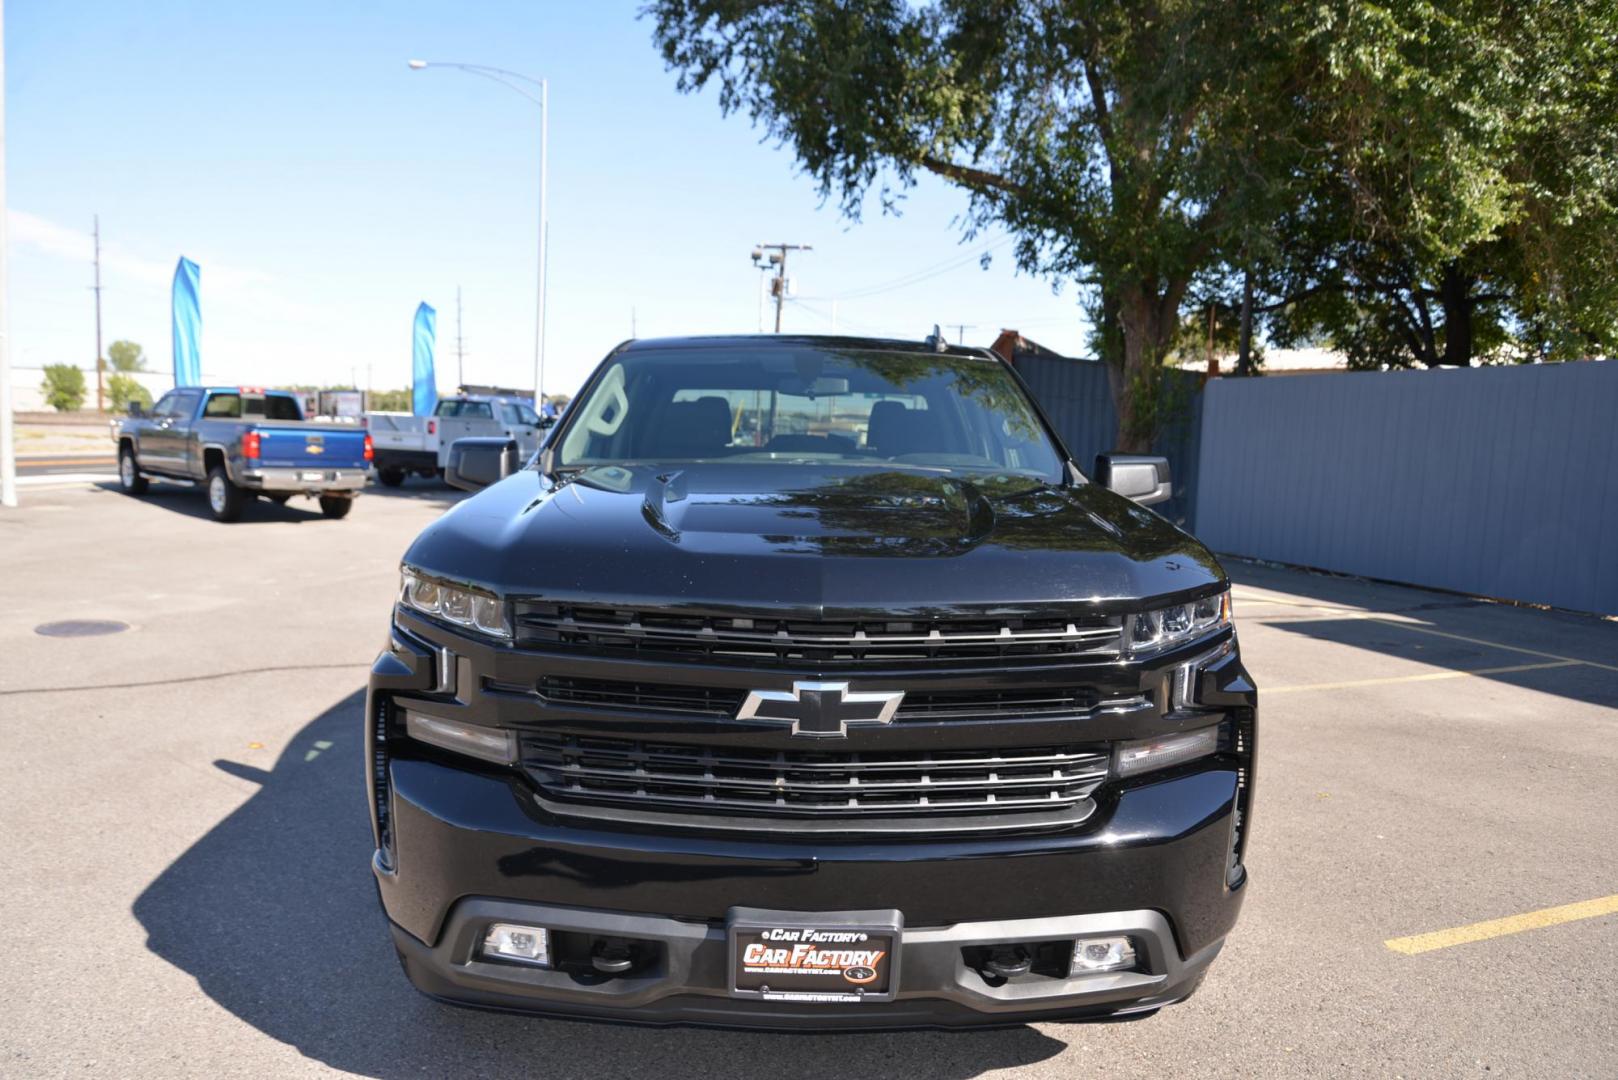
(187, 890)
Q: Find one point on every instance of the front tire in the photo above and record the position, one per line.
(129, 478)
(225, 499)
(336, 506)
(392, 476)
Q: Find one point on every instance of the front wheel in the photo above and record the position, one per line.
(336, 506)
(390, 476)
(224, 498)
(129, 477)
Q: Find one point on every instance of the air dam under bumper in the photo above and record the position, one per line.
(687, 983)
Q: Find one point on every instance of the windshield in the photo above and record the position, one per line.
(774, 404)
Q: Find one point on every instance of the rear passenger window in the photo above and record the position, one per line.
(281, 407)
(223, 406)
(477, 410)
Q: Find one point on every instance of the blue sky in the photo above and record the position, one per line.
(325, 189)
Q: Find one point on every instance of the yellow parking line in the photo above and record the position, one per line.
(1513, 924)
(1490, 644)
(1425, 677)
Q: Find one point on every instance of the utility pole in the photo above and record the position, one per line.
(777, 259)
(460, 351)
(100, 363)
(960, 330)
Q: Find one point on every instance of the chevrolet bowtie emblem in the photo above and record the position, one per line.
(313, 448)
(821, 709)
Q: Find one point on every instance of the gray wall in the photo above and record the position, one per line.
(1499, 481)
(1076, 396)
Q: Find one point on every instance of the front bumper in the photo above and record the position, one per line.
(461, 845)
(687, 980)
(305, 480)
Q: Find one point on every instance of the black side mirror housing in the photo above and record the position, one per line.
(474, 464)
(1141, 477)
(135, 408)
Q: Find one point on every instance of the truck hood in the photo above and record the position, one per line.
(812, 540)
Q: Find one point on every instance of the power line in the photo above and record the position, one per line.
(862, 328)
(916, 277)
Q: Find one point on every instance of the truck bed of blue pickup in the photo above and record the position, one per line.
(240, 442)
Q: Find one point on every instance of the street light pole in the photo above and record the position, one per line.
(8, 455)
(501, 76)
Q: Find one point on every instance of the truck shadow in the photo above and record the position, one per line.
(180, 498)
(1518, 646)
(275, 915)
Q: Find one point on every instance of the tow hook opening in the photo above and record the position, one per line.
(1018, 961)
(597, 958)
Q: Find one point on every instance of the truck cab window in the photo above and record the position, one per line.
(223, 406)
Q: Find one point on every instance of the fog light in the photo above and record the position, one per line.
(512, 941)
(1101, 954)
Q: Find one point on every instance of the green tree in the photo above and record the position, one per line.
(122, 389)
(1121, 143)
(126, 356)
(390, 400)
(63, 387)
(1489, 229)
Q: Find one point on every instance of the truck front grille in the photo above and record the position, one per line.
(612, 631)
(696, 779)
(1022, 703)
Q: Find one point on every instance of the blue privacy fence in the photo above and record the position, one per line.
(1498, 481)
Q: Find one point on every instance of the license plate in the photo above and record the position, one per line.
(312, 476)
(835, 958)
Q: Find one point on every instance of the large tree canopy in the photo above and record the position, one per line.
(1141, 148)
(1469, 206)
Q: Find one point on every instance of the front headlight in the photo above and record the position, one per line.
(462, 605)
(1166, 628)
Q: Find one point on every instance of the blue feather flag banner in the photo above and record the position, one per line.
(187, 323)
(424, 393)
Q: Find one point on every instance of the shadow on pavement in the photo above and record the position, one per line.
(275, 915)
(190, 501)
(1519, 646)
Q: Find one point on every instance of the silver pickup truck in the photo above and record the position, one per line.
(240, 442)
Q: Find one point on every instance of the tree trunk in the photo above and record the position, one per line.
(1244, 346)
(1455, 292)
(1136, 382)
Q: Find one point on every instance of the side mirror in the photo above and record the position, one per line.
(135, 408)
(1135, 476)
(546, 422)
(474, 464)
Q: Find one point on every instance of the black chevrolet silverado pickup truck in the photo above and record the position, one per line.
(808, 683)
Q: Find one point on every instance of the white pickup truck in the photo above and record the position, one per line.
(406, 444)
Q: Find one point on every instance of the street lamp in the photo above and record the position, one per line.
(502, 76)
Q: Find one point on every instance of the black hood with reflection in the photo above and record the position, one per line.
(814, 540)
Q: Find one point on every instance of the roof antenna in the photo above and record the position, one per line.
(936, 340)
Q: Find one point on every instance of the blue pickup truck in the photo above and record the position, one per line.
(239, 442)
